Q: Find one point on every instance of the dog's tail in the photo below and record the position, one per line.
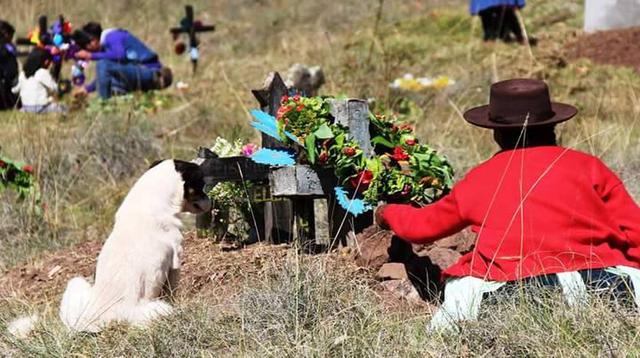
(74, 305)
(146, 311)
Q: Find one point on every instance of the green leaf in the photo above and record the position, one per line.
(310, 144)
(324, 132)
(382, 141)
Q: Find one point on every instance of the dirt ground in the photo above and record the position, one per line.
(205, 264)
(208, 268)
(615, 47)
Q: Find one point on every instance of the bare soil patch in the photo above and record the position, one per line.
(614, 47)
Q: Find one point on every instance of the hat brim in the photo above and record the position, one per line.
(479, 116)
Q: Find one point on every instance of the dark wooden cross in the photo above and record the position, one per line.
(191, 27)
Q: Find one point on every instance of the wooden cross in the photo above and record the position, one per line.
(191, 27)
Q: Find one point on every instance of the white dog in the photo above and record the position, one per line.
(140, 261)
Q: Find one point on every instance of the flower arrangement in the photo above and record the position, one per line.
(416, 84)
(402, 170)
(19, 177)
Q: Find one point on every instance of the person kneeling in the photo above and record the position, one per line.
(124, 63)
(540, 212)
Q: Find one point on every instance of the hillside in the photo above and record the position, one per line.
(269, 300)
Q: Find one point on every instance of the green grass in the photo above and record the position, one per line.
(86, 162)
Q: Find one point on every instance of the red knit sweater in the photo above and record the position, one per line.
(575, 214)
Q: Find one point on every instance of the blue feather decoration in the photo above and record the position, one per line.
(274, 157)
(268, 125)
(353, 206)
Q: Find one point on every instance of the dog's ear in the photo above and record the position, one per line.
(186, 168)
(156, 163)
(195, 200)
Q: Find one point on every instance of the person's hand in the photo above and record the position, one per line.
(79, 92)
(382, 223)
(83, 55)
(54, 51)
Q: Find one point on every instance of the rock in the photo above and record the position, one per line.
(402, 289)
(305, 78)
(392, 271)
(441, 257)
(372, 246)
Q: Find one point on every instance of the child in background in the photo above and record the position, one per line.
(36, 85)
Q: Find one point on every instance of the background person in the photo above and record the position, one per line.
(36, 86)
(8, 66)
(124, 63)
(499, 19)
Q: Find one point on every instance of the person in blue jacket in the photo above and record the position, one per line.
(124, 63)
(499, 19)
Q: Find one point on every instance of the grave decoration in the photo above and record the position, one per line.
(232, 205)
(57, 40)
(401, 169)
(17, 177)
(322, 149)
(190, 27)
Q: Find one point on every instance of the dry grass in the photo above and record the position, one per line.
(86, 162)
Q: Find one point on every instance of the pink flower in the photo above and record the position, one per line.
(410, 141)
(249, 149)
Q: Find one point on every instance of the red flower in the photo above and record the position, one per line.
(410, 142)
(2, 164)
(406, 190)
(399, 154)
(27, 168)
(394, 128)
(349, 151)
(363, 179)
(300, 107)
(296, 98)
(282, 111)
(284, 99)
(323, 157)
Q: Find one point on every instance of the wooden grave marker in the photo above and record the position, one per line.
(300, 184)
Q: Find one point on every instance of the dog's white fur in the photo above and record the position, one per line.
(139, 260)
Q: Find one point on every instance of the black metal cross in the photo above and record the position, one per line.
(191, 27)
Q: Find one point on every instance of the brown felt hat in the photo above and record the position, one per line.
(511, 102)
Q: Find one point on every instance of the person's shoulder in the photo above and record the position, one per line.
(584, 157)
(42, 73)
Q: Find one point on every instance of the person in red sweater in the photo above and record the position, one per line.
(538, 210)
